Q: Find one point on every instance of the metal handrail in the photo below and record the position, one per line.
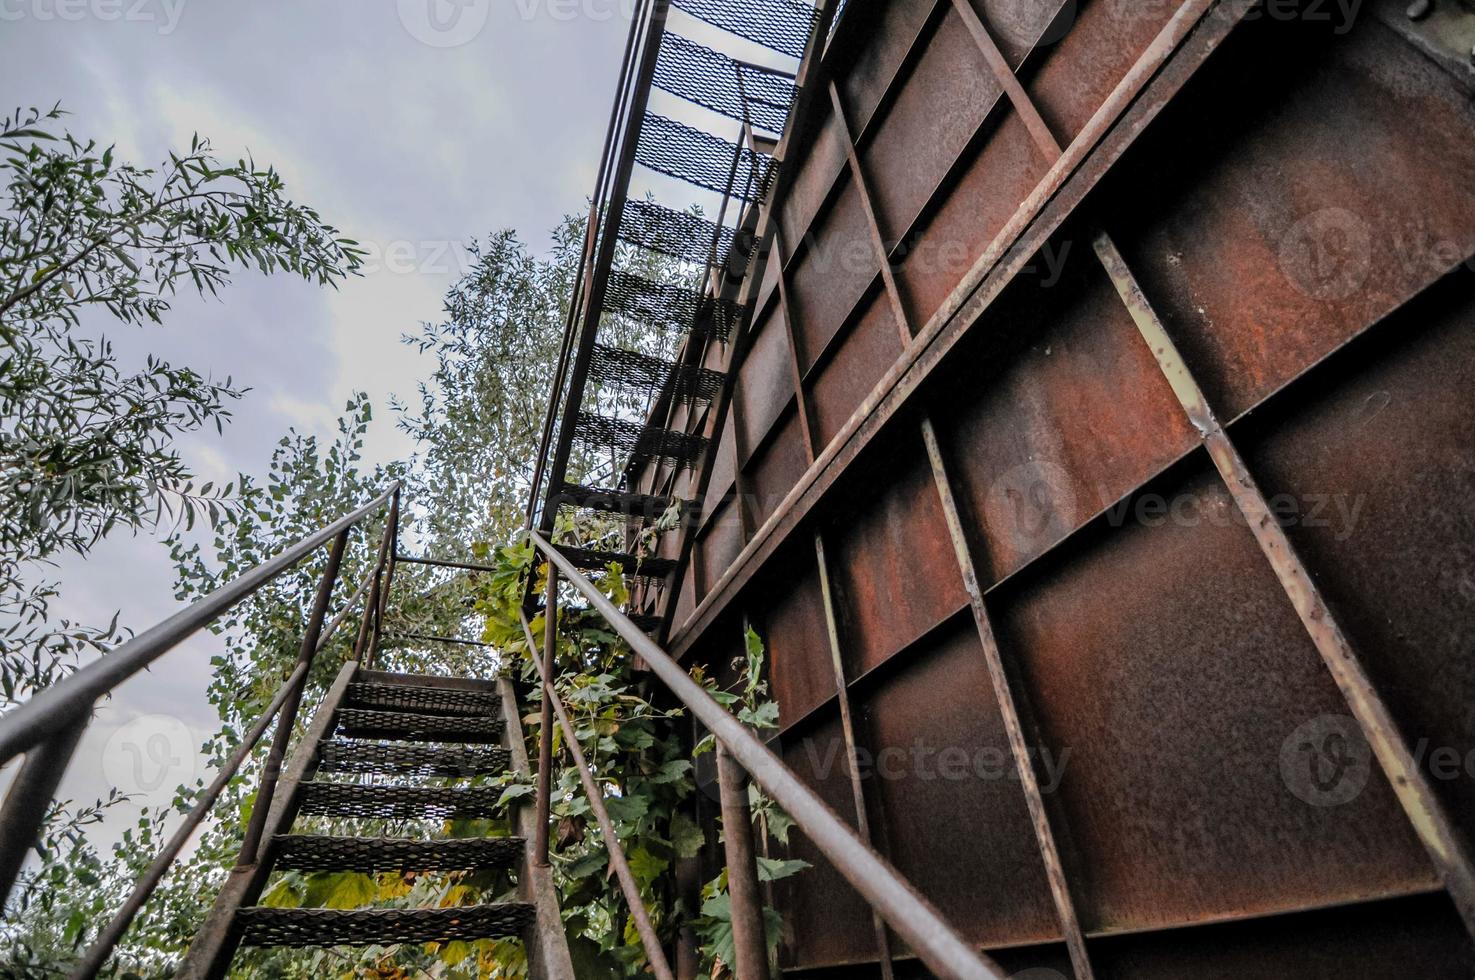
(47, 728)
(910, 914)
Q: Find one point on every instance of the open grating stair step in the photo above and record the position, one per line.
(711, 79)
(668, 307)
(631, 564)
(680, 234)
(314, 852)
(783, 25)
(641, 442)
(408, 727)
(401, 802)
(616, 367)
(261, 926)
(697, 157)
(426, 700)
(642, 505)
(418, 759)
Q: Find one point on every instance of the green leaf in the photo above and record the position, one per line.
(687, 839)
(774, 869)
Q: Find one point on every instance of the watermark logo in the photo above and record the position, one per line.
(1327, 254)
(1326, 761)
(1038, 973)
(150, 753)
(164, 14)
(1039, 24)
(444, 23)
(1031, 504)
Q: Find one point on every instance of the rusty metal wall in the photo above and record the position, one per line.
(1113, 538)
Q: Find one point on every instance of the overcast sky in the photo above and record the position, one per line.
(410, 126)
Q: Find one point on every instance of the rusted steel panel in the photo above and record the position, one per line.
(1164, 657)
(724, 462)
(973, 211)
(1296, 199)
(1074, 76)
(777, 466)
(1418, 936)
(940, 769)
(838, 386)
(817, 165)
(892, 30)
(764, 387)
(790, 616)
(836, 267)
(1371, 462)
(1059, 417)
(896, 576)
(721, 540)
(825, 921)
(947, 95)
(1022, 28)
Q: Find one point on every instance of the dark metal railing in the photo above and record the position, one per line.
(47, 728)
(889, 894)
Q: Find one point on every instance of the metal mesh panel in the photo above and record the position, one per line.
(403, 726)
(303, 852)
(400, 802)
(783, 25)
(640, 441)
(261, 926)
(644, 506)
(631, 565)
(699, 158)
(677, 233)
(712, 79)
(431, 700)
(613, 366)
(421, 760)
(669, 307)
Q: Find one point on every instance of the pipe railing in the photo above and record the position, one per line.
(47, 727)
(905, 909)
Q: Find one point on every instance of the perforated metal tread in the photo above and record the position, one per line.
(261, 926)
(410, 727)
(697, 157)
(412, 759)
(616, 367)
(677, 233)
(668, 307)
(783, 25)
(639, 441)
(630, 564)
(400, 802)
(639, 505)
(426, 700)
(709, 78)
(312, 852)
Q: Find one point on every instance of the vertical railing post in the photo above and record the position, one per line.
(386, 565)
(545, 735)
(368, 638)
(749, 937)
(251, 845)
(30, 796)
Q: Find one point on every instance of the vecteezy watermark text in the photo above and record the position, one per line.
(950, 763)
(164, 13)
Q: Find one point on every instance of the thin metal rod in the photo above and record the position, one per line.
(428, 638)
(648, 938)
(107, 940)
(363, 647)
(749, 937)
(444, 563)
(51, 710)
(913, 917)
(545, 734)
(30, 797)
(251, 845)
(342, 615)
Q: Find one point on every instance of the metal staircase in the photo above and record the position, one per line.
(389, 747)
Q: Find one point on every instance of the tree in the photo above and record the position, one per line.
(87, 447)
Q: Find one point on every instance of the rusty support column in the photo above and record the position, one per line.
(749, 936)
(251, 845)
(545, 734)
